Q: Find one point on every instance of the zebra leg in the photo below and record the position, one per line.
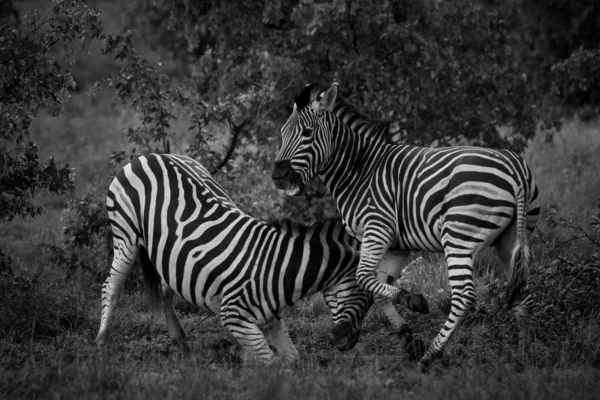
(349, 305)
(340, 326)
(460, 276)
(277, 336)
(399, 325)
(505, 246)
(521, 311)
(389, 271)
(176, 331)
(375, 244)
(123, 261)
(248, 335)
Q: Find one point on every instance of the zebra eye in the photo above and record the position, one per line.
(307, 132)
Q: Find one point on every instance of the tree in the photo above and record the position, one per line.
(35, 54)
(449, 72)
(439, 68)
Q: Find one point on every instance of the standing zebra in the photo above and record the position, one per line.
(397, 198)
(192, 240)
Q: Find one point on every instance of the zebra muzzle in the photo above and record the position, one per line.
(285, 178)
(343, 336)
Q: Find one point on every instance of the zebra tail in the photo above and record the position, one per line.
(152, 280)
(521, 256)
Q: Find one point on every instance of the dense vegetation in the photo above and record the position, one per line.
(93, 87)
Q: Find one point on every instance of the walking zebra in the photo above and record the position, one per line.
(456, 200)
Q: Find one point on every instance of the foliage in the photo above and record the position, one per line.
(90, 219)
(87, 241)
(572, 280)
(576, 80)
(437, 67)
(35, 74)
(159, 101)
(32, 310)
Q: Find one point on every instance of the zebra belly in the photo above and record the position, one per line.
(211, 282)
(414, 237)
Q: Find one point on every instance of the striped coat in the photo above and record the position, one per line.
(167, 211)
(397, 198)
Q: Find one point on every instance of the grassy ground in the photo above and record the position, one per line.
(48, 324)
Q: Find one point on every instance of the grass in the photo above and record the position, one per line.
(142, 363)
(566, 169)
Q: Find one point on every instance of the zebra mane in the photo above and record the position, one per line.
(362, 124)
(308, 94)
(348, 113)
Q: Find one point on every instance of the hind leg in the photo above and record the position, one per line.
(505, 244)
(277, 336)
(176, 331)
(460, 276)
(248, 335)
(123, 261)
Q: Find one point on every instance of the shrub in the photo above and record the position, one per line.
(87, 241)
(33, 76)
(31, 310)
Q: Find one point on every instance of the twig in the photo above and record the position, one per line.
(563, 259)
(144, 330)
(236, 130)
(571, 239)
(584, 234)
(595, 268)
(195, 326)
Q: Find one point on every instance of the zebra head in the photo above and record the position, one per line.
(305, 143)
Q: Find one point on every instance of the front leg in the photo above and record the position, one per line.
(377, 239)
(389, 270)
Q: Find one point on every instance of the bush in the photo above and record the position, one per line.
(566, 281)
(87, 240)
(576, 80)
(33, 75)
(32, 310)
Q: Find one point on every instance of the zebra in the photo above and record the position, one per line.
(191, 239)
(400, 198)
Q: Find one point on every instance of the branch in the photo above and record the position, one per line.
(594, 268)
(571, 239)
(584, 234)
(236, 129)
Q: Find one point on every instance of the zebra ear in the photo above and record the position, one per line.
(327, 98)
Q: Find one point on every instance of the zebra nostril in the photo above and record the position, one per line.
(282, 170)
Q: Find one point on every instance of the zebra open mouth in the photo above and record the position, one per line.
(285, 178)
(293, 189)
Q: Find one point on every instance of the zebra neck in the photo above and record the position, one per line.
(353, 157)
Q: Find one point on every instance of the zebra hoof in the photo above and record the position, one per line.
(415, 349)
(422, 368)
(418, 303)
(183, 345)
(101, 340)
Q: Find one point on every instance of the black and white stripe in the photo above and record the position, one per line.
(456, 200)
(192, 240)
